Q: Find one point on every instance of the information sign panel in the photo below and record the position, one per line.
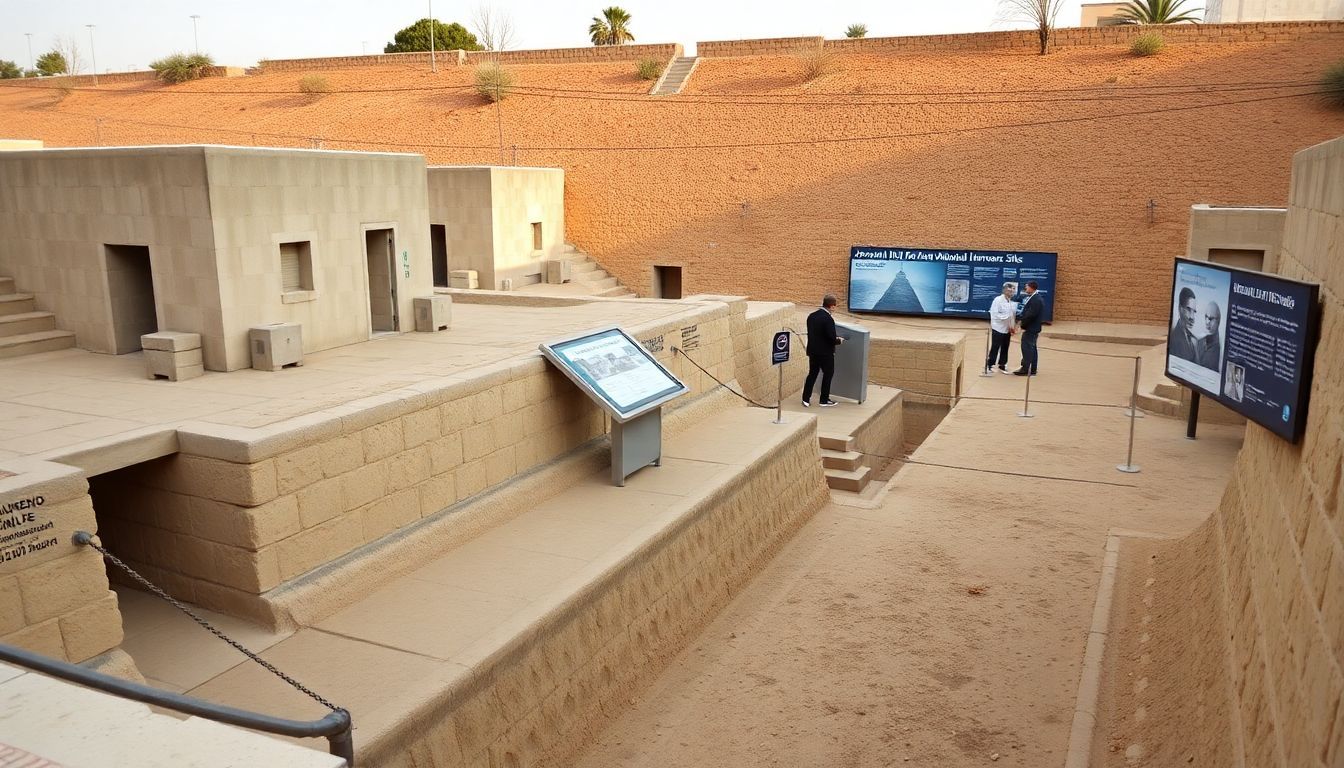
(779, 348)
(941, 281)
(615, 370)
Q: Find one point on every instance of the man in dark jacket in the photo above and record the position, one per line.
(821, 343)
(1033, 307)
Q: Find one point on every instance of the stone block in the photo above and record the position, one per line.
(321, 501)
(445, 453)
(477, 441)
(170, 341)
(248, 527)
(342, 454)
(275, 346)
(246, 485)
(61, 586)
(383, 440)
(420, 427)
(92, 629)
(470, 479)
(500, 466)
(455, 415)
(298, 469)
(464, 278)
(433, 313)
(44, 638)
(244, 569)
(389, 513)
(437, 493)
(310, 548)
(11, 606)
(364, 485)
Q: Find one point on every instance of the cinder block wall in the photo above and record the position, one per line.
(225, 520)
(54, 600)
(1281, 520)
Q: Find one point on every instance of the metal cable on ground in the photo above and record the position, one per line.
(678, 351)
(1027, 475)
(88, 539)
(938, 328)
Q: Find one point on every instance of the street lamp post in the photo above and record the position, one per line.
(432, 66)
(196, 38)
(31, 65)
(93, 52)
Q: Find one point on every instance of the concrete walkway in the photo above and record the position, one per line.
(947, 627)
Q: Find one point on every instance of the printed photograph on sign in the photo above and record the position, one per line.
(615, 368)
(1195, 339)
(899, 286)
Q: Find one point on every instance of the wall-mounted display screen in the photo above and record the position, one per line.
(1246, 339)
(615, 370)
(947, 282)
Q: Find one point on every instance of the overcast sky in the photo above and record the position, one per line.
(131, 33)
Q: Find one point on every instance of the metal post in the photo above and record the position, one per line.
(196, 38)
(1026, 400)
(1133, 411)
(1192, 423)
(989, 369)
(1129, 465)
(94, 54)
(433, 67)
(31, 65)
(779, 407)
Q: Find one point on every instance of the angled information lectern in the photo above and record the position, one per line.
(628, 383)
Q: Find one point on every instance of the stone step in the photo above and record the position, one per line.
(848, 479)
(603, 280)
(615, 292)
(835, 442)
(27, 322)
(577, 267)
(845, 460)
(32, 343)
(1168, 390)
(6, 285)
(16, 303)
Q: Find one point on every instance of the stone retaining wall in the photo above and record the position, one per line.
(586, 55)
(928, 369)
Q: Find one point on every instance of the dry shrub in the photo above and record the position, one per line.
(314, 85)
(493, 81)
(816, 62)
(1147, 44)
(649, 69)
(182, 67)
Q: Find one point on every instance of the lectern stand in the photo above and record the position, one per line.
(636, 444)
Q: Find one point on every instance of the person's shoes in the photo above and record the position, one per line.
(989, 370)
(828, 403)
(806, 404)
(1019, 372)
(1003, 369)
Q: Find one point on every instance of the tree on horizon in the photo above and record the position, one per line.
(856, 31)
(612, 27)
(1156, 12)
(1040, 14)
(52, 63)
(447, 37)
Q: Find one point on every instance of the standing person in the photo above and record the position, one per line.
(1001, 313)
(821, 343)
(1033, 307)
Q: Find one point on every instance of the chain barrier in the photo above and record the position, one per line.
(111, 558)
(907, 460)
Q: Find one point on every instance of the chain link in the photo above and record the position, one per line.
(206, 625)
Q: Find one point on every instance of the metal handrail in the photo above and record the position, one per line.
(336, 726)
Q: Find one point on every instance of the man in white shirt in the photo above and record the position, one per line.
(1002, 313)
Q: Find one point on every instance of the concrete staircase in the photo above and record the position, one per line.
(23, 329)
(844, 466)
(590, 276)
(675, 77)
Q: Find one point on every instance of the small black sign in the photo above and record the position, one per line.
(779, 350)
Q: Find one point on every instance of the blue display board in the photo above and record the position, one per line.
(956, 283)
(1246, 339)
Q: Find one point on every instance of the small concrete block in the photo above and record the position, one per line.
(433, 313)
(464, 278)
(174, 366)
(557, 271)
(171, 341)
(276, 346)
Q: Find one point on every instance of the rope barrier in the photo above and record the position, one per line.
(1029, 476)
(939, 328)
(717, 380)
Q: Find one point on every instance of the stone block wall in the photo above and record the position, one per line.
(1281, 520)
(758, 377)
(775, 46)
(928, 369)
(232, 516)
(54, 596)
(586, 55)
(537, 701)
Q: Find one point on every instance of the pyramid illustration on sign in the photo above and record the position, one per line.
(900, 296)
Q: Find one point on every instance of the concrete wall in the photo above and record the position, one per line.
(488, 213)
(13, 145)
(1099, 14)
(1237, 228)
(1225, 11)
(260, 198)
(1281, 520)
(586, 55)
(60, 207)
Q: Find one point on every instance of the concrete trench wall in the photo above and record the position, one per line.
(928, 369)
(539, 701)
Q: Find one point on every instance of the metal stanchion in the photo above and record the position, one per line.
(779, 403)
(1133, 411)
(1026, 400)
(989, 369)
(1129, 465)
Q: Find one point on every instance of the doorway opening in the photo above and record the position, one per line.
(380, 251)
(130, 293)
(667, 282)
(438, 249)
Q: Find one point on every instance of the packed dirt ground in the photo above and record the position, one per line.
(947, 626)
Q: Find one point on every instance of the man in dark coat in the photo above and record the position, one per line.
(1181, 339)
(821, 343)
(1033, 308)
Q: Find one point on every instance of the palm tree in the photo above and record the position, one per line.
(1156, 12)
(611, 28)
(857, 30)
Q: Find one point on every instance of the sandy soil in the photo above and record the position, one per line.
(947, 627)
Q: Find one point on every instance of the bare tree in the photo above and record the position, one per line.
(69, 48)
(493, 27)
(1040, 14)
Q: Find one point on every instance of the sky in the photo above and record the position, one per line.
(128, 34)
